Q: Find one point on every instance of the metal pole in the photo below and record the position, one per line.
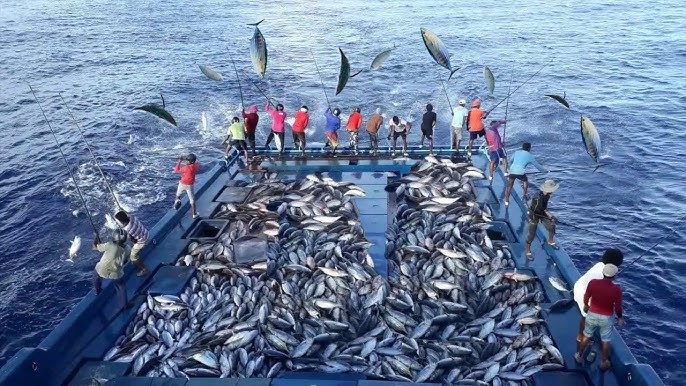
(90, 150)
(64, 158)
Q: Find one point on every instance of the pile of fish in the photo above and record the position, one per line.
(451, 309)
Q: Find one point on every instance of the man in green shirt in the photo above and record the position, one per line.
(115, 253)
(236, 133)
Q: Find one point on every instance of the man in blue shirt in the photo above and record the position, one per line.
(333, 123)
(520, 160)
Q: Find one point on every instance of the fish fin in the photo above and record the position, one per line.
(452, 72)
(357, 73)
(163, 105)
(256, 24)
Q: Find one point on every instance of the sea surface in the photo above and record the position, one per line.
(621, 63)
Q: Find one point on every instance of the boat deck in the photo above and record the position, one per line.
(72, 354)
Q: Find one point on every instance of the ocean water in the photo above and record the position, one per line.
(620, 63)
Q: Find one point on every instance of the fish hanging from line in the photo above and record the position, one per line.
(158, 111)
(343, 72)
(490, 79)
(437, 50)
(210, 73)
(74, 248)
(110, 223)
(591, 138)
(258, 50)
(560, 99)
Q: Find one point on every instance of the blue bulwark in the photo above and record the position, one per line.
(72, 353)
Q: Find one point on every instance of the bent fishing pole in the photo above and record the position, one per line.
(520, 86)
(321, 80)
(90, 150)
(665, 237)
(64, 158)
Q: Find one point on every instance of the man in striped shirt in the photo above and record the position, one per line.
(138, 234)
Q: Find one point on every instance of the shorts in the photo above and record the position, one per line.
(548, 224)
(521, 177)
(333, 138)
(239, 144)
(474, 134)
(402, 134)
(188, 189)
(457, 132)
(135, 251)
(428, 133)
(603, 323)
(495, 156)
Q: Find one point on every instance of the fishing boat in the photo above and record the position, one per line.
(73, 353)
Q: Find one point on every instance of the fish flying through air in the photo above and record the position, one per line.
(560, 99)
(258, 50)
(158, 111)
(378, 61)
(437, 50)
(490, 79)
(590, 137)
(343, 72)
(74, 248)
(110, 223)
(210, 73)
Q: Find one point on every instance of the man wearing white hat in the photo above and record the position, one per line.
(602, 300)
(538, 212)
(459, 121)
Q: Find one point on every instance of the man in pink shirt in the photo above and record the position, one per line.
(188, 173)
(496, 151)
(278, 118)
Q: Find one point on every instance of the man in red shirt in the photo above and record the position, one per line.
(250, 121)
(353, 125)
(188, 173)
(299, 125)
(602, 299)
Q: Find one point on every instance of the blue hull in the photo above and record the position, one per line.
(72, 354)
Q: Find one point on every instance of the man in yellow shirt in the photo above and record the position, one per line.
(236, 133)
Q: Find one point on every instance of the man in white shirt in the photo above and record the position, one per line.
(610, 256)
(459, 121)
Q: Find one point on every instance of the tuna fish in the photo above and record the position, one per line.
(437, 50)
(258, 51)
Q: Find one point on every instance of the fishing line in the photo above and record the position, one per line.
(587, 230)
(654, 245)
(518, 87)
(64, 158)
(321, 80)
(448, 98)
(507, 105)
(240, 90)
(90, 150)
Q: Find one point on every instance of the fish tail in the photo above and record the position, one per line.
(256, 24)
(357, 73)
(452, 72)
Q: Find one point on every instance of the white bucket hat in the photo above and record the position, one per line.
(610, 270)
(549, 186)
(462, 102)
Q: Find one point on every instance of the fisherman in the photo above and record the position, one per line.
(602, 300)
(458, 124)
(236, 133)
(278, 117)
(299, 125)
(610, 256)
(520, 160)
(538, 211)
(110, 266)
(352, 127)
(188, 173)
(333, 123)
(428, 123)
(139, 236)
(373, 125)
(250, 122)
(475, 124)
(399, 128)
(496, 151)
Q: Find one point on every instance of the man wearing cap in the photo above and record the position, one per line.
(352, 127)
(610, 256)
(603, 299)
(250, 121)
(186, 182)
(299, 125)
(538, 212)
(458, 123)
(475, 124)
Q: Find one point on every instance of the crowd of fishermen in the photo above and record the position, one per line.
(598, 298)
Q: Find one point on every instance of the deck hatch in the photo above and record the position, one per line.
(208, 230)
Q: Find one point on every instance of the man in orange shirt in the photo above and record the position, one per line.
(475, 124)
(299, 125)
(353, 125)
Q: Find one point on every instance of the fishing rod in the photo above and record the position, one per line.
(64, 158)
(654, 245)
(90, 150)
(262, 92)
(587, 230)
(446, 97)
(507, 105)
(518, 87)
(321, 79)
(240, 90)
